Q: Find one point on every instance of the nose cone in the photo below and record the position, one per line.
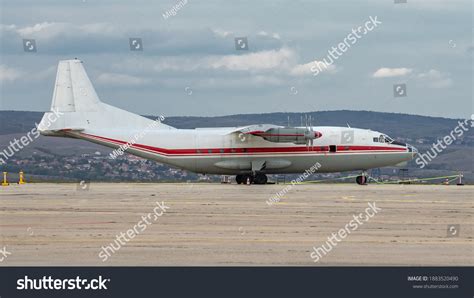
(412, 149)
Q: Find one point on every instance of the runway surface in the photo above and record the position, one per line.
(213, 224)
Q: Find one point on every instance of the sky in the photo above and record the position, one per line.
(416, 60)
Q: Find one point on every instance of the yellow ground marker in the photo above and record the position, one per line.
(5, 182)
(22, 178)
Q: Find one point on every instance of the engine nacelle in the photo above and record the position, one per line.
(289, 135)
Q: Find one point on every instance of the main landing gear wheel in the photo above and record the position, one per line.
(247, 179)
(260, 179)
(244, 179)
(251, 179)
(361, 180)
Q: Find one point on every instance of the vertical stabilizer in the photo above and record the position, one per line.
(73, 91)
(80, 109)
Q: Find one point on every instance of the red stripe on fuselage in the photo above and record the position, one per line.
(250, 150)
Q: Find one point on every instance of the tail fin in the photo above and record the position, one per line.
(76, 106)
(73, 91)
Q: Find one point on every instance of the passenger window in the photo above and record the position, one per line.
(376, 140)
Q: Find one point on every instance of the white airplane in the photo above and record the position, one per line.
(249, 152)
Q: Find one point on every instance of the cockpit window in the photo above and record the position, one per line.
(388, 139)
(383, 139)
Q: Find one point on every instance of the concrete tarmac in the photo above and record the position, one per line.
(214, 224)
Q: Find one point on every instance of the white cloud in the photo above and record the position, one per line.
(435, 79)
(306, 69)
(278, 63)
(222, 33)
(49, 30)
(302, 69)
(266, 34)
(282, 60)
(386, 72)
(9, 73)
(432, 78)
(29, 30)
(116, 79)
(264, 60)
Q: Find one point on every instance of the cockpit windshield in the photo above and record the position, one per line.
(388, 139)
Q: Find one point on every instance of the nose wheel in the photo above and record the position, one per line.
(362, 179)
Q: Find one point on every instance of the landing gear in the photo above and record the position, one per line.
(239, 179)
(362, 179)
(244, 179)
(259, 178)
(248, 179)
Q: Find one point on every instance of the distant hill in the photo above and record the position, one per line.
(420, 131)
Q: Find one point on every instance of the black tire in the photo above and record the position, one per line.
(239, 179)
(361, 180)
(261, 179)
